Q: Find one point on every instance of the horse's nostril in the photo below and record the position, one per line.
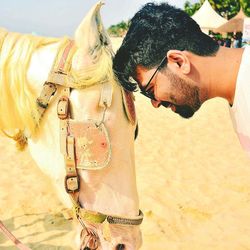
(120, 247)
(86, 248)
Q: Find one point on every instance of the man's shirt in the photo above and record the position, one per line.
(240, 111)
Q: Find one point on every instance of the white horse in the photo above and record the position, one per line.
(99, 135)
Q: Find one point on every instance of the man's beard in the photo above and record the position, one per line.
(184, 111)
(190, 92)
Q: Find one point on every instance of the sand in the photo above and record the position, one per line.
(192, 175)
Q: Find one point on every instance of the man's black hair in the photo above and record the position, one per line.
(154, 30)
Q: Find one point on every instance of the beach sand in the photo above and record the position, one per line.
(193, 180)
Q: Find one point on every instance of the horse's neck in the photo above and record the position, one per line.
(111, 190)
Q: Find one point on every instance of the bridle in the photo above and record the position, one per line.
(58, 77)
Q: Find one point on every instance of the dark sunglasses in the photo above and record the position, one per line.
(150, 94)
(144, 90)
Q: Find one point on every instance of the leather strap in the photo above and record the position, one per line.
(72, 182)
(63, 113)
(106, 95)
(62, 63)
(49, 89)
(11, 237)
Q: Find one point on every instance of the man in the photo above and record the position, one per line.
(174, 64)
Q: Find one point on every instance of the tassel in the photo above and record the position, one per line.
(20, 138)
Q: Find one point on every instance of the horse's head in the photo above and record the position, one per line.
(95, 143)
(112, 189)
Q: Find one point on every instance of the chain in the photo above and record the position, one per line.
(103, 115)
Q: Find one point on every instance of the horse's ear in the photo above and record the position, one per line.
(91, 33)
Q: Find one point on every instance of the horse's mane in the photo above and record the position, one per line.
(17, 97)
(18, 101)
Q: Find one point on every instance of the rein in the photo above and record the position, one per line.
(10, 236)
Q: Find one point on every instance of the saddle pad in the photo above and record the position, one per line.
(92, 144)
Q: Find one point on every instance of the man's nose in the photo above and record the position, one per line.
(156, 104)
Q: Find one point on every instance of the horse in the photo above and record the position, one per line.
(60, 97)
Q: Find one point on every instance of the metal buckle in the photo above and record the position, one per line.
(63, 107)
(72, 184)
(48, 90)
(41, 104)
(51, 86)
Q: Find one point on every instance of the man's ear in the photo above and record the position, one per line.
(177, 60)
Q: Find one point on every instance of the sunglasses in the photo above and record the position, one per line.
(150, 94)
